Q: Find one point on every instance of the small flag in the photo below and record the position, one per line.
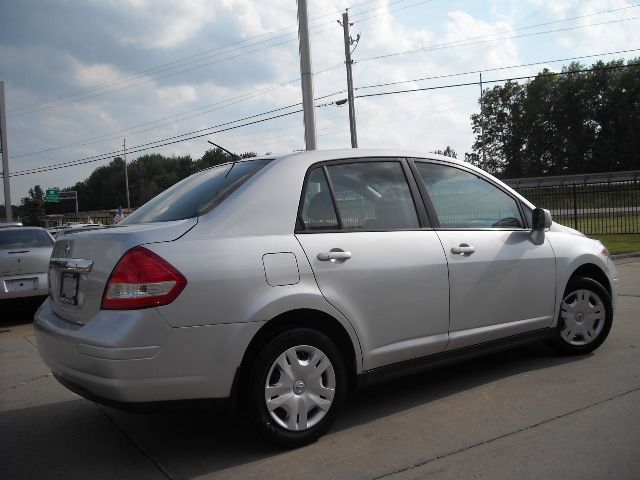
(119, 216)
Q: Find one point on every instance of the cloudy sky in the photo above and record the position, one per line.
(80, 76)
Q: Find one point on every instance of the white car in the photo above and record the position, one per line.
(279, 282)
(24, 262)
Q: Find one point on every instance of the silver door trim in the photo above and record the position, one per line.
(474, 336)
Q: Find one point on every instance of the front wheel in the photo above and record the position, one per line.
(585, 319)
(296, 386)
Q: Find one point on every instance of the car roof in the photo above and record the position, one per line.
(313, 156)
(310, 157)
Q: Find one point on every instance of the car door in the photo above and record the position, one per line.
(501, 283)
(375, 257)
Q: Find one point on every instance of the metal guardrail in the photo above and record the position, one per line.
(103, 219)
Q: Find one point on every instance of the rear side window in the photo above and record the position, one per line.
(196, 194)
(463, 200)
(318, 212)
(28, 238)
(372, 195)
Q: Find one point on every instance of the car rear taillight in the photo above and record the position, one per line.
(142, 279)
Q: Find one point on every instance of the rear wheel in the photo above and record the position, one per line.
(297, 385)
(585, 317)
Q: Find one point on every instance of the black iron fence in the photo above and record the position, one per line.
(103, 219)
(604, 208)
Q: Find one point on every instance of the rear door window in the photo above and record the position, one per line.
(370, 195)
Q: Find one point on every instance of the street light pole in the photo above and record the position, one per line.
(306, 75)
(348, 41)
(126, 174)
(5, 156)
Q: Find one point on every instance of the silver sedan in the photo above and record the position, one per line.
(24, 261)
(281, 282)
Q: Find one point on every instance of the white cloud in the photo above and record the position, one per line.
(86, 75)
(165, 23)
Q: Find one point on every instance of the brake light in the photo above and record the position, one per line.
(142, 279)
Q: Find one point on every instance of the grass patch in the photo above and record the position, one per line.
(595, 225)
(620, 243)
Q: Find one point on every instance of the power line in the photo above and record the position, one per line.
(156, 123)
(137, 150)
(439, 87)
(371, 17)
(484, 70)
(152, 79)
(190, 136)
(195, 58)
(467, 41)
(175, 139)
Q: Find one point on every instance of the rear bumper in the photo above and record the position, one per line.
(38, 286)
(136, 357)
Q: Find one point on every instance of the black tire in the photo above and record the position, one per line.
(558, 343)
(256, 404)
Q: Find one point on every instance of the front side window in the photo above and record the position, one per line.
(463, 200)
(373, 196)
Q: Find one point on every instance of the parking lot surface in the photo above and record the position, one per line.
(525, 413)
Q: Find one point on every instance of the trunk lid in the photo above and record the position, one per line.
(104, 248)
(24, 261)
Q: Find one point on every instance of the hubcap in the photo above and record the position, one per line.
(584, 315)
(300, 387)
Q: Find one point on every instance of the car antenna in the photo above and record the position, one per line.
(235, 156)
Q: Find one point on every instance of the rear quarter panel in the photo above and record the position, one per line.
(226, 282)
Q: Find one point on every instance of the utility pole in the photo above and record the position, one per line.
(484, 155)
(306, 75)
(348, 41)
(5, 156)
(126, 174)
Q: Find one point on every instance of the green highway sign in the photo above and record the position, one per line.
(52, 195)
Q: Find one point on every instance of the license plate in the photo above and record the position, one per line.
(22, 285)
(69, 288)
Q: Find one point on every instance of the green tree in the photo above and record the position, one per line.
(577, 122)
(447, 152)
(149, 175)
(34, 206)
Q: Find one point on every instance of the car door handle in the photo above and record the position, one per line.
(463, 249)
(334, 255)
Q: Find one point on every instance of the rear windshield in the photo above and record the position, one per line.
(28, 238)
(196, 194)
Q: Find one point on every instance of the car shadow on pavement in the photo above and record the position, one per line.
(186, 444)
(18, 311)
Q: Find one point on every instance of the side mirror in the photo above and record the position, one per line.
(541, 220)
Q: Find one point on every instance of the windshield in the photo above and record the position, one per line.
(24, 238)
(196, 194)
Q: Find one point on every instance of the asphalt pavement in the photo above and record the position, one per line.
(521, 414)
